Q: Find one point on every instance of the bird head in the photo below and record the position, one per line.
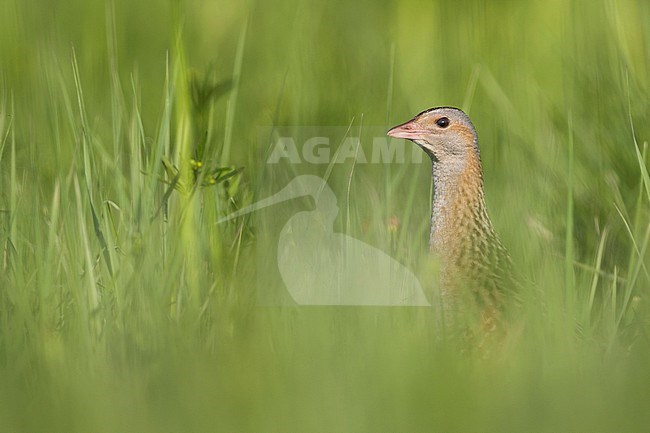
(444, 133)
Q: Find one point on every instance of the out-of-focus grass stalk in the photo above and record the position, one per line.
(569, 257)
(52, 253)
(186, 213)
(13, 190)
(639, 234)
(6, 120)
(232, 99)
(596, 277)
(89, 309)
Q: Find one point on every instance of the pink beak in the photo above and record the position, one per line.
(406, 130)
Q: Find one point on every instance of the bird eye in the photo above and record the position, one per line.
(443, 122)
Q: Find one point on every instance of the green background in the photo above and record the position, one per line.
(124, 306)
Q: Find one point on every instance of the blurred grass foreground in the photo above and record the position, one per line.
(128, 129)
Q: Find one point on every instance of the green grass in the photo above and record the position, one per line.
(124, 306)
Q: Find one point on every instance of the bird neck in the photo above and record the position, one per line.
(458, 214)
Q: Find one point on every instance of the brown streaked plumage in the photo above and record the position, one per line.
(472, 258)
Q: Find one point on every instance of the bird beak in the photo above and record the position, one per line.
(408, 130)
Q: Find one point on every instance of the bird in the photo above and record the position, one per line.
(473, 263)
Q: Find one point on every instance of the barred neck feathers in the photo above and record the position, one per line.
(460, 225)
